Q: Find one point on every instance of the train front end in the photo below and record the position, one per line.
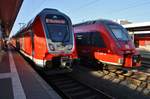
(61, 51)
(124, 47)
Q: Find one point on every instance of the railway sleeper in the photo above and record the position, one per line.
(74, 89)
(64, 82)
(82, 93)
(68, 85)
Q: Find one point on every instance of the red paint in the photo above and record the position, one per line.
(115, 50)
(38, 48)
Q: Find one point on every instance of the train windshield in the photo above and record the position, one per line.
(119, 32)
(58, 28)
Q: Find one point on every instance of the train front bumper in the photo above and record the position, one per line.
(136, 61)
(131, 61)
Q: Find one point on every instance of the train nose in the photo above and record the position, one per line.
(126, 46)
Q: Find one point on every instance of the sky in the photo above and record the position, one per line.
(84, 10)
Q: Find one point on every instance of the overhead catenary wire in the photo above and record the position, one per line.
(135, 4)
(86, 5)
(130, 7)
(38, 7)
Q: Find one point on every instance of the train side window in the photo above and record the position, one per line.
(83, 39)
(86, 40)
(79, 38)
(97, 40)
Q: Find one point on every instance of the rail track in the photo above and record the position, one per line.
(146, 62)
(135, 79)
(138, 79)
(69, 88)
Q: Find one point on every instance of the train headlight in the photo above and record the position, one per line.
(51, 47)
(69, 47)
(120, 60)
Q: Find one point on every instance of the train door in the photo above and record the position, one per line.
(97, 44)
(97, 41)
(23, 45)
(83, 44)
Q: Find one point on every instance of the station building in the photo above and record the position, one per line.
(140, 33)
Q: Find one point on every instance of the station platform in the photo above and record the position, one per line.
(18, 80)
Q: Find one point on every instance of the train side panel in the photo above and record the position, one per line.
(106, 42)
(27, 44)
(102, 49)
(39, 43)
(48, 41)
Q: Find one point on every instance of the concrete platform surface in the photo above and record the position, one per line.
(18, 80)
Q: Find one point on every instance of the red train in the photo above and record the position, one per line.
(48, 40)
(106, 42)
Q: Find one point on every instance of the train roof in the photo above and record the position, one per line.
(95, 22)
(44, 11)
(49, 10)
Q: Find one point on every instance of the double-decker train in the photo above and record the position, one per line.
(106, 42)
(48, 40)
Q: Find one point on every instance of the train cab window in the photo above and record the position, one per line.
(83, 39)
(58, 32)
(119, 32)
(97, 40)
(58, 28)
